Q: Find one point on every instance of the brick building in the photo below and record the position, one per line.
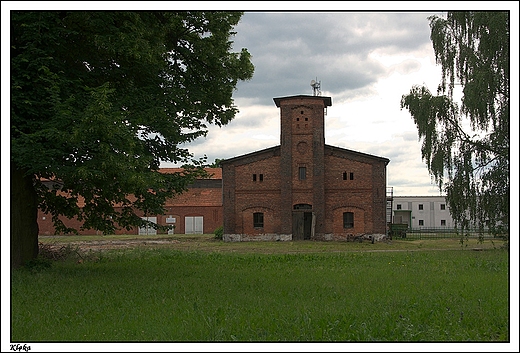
(196, 211)
(303, 188)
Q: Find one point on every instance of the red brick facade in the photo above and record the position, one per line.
(303, 188)
(199, 210)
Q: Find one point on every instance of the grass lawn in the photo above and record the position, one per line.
(198, 289)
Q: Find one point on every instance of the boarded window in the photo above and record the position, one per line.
(258, 219)
(348, 220)
(302, 173)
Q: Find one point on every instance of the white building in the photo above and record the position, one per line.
(421, 212)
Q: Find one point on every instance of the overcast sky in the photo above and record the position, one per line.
(364, 61)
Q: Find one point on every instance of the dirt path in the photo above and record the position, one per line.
(120, 244)
(213, 245)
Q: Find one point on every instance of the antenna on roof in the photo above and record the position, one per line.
(315, 84)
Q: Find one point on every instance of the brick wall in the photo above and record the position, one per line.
(212, 219)
(252, 184)
(204, 198)
(354, 184)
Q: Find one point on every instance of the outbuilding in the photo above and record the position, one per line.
(303, 188)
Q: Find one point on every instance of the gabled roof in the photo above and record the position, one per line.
(257, 155)
(339, 151)
(329, 150)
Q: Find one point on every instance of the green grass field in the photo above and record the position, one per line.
(198, 289)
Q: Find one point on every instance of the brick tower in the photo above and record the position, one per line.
(302, 143)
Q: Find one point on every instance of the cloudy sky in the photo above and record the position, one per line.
(365, 62)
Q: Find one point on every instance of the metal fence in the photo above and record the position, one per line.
(402, 231)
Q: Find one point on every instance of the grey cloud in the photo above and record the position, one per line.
(255, 119)
(408, 66)
(289, 49)
(409, 183)
(227, 149)
(407, 136)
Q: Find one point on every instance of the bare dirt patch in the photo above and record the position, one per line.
(121, 244)
(210, 244)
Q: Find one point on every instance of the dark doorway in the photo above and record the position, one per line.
(303, 225)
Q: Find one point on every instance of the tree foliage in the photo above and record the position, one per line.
(217, 163)
(99, 99)
(466, 146)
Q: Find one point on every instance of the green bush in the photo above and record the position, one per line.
(219, 232)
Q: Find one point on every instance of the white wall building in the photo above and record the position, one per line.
(421, 211)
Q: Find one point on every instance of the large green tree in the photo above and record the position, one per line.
(99, 99)
(466, 144)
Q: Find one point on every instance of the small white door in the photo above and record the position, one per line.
(148, 230)
(194, 225)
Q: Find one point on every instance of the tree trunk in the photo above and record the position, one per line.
(24, 218)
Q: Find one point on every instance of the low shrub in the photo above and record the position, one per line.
(56, 252)
(219, 232)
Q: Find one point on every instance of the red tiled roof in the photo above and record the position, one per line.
(214, 173)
